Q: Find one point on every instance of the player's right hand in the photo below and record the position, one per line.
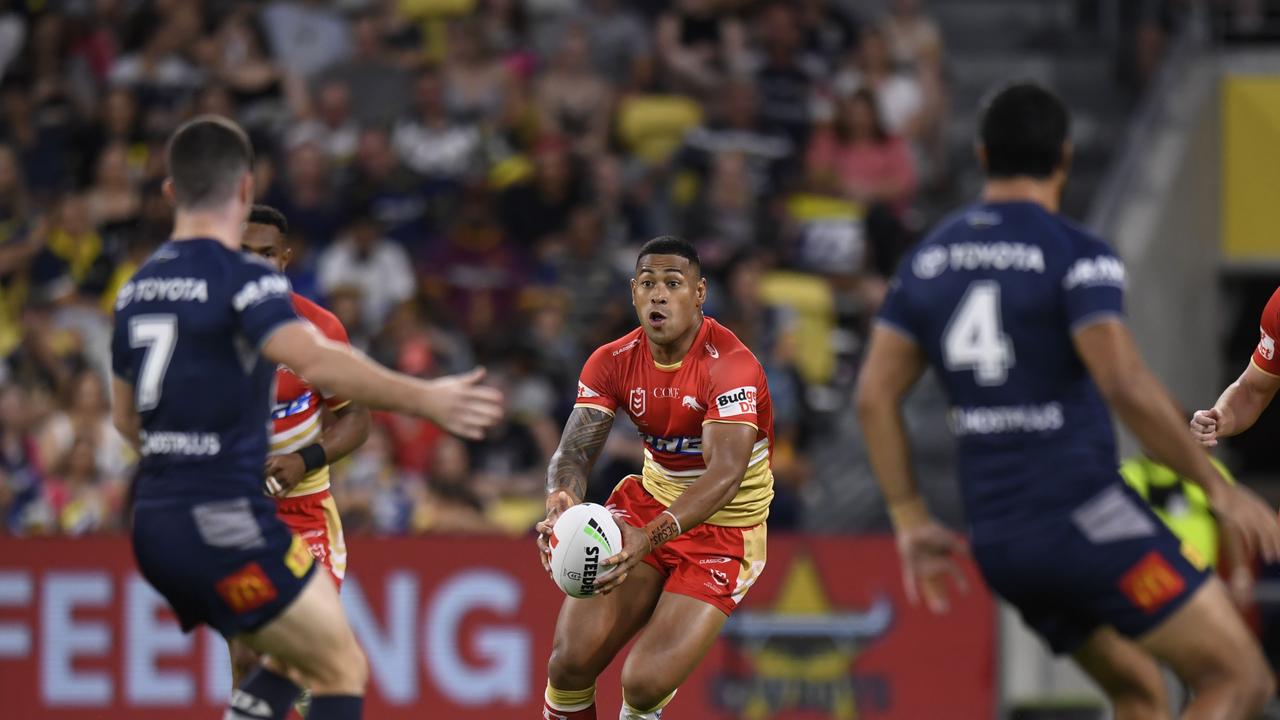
(928, 552)
(1240, 510)
(462, 406)
(557, 502)
(1204, 426)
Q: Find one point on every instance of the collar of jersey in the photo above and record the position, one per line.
(676, 365)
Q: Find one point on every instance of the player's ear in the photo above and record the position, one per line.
(166, 189)
(287, 254)
(980, 152)
(700, 293)
(633, 292)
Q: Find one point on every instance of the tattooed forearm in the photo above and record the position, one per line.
(580, 445)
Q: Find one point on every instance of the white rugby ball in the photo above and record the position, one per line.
(582, 538)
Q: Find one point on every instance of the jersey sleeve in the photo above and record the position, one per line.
(896, 312)
(261, 301)
(1264, 355)
(1093, 286)
(121, 358)
(597, 386)
(736, 381)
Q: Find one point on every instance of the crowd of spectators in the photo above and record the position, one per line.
(466, 181)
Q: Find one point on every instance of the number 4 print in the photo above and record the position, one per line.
(975, 339)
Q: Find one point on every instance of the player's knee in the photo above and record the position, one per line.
(645, 688)
(342, 670)
(570, 666)
(1257, 689)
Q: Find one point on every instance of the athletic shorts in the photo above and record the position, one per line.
(1109, 562)
(315, 518)
(712, 563)
(227, 563)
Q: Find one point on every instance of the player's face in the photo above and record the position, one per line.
(266, 241)
(668, 295)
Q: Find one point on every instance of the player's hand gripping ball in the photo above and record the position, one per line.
(583, 536)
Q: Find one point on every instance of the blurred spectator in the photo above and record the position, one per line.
(114, 201)
(306, 195)
(159, 74)
(378, 183)
(698, 47)
(373, 495)
(13, 31)
(379, 87)
(619, 41)
(20, 474)
(574, 101)
(449, 504)
(913, 36)
(306, 36)
(539, 207)
(432, 144)
(594, 289)
(375, 265)
(785, 79)
(80, 498)
(475, 80)
(332, 128)
(859, 158)
(829, 32)
(899, 94)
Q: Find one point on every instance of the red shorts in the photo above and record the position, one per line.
(712, 563)
(315, 518)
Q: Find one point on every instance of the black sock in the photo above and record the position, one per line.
(336, 707)
(263, 695)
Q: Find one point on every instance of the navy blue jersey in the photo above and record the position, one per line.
(188, 330)
(992, 297)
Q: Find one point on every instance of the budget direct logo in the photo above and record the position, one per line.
(738, 401)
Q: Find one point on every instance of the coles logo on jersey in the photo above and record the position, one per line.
(586, 392)
(637, 401)
(738, 401)
(1267, 346)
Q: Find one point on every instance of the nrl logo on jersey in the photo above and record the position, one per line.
(638, 401)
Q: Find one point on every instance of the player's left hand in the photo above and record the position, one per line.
(929, 553)
(288, 470)
(635, 546)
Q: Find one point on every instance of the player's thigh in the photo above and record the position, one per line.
(680, 632)
(243, 660)
(591, 631)
(1128, 674)
(313, 636)
(1207, 642)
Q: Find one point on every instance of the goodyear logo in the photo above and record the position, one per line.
(299, 558)
(247, 589)
(1151, 583)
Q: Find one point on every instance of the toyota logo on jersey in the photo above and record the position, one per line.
(738, 401)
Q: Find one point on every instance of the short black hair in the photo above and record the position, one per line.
(1024, 128)
(267, 215)
(671, 245)
(207, 156)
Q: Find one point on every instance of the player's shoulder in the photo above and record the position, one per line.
(722, 350)
(317, 315)
(621, 348)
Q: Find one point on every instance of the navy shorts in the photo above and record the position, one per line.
(1109, 562)
(227, 563)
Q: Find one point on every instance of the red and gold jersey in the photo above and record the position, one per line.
(295, 418)
(1264, 356)
(718, 381)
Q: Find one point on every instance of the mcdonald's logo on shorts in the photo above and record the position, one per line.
(247, 589)
(1151, 583)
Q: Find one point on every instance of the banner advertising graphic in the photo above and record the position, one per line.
(460, 627)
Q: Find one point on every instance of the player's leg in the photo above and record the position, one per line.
(589, 634)
(313, 638)
(243, 661)
(677, 637)
(1208, 645)
(1126, 673)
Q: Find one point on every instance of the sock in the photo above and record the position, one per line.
(263, 695)
(336, 707)
(569, 704)
(653, 713)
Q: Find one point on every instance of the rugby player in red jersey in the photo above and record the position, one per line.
(309, 431)
(1239, 406)
(693, 524)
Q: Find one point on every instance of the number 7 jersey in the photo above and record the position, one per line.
(189, 327)
(993, 297)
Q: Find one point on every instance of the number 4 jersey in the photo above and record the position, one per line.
(993, 298)
(719, 380)
(189, 327)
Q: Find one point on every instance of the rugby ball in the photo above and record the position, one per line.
(582, 538)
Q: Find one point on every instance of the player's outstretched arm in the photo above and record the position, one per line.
(893, 365)
(1143, 404)
(580, 444)
(458, 403)
(1238, 408)
(726, 449)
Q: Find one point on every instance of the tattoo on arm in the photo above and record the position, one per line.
(580, 445)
